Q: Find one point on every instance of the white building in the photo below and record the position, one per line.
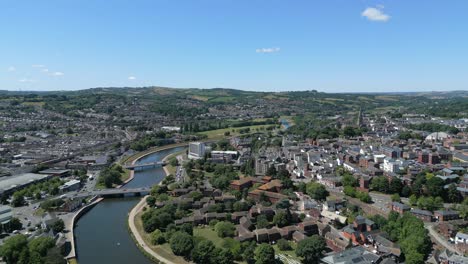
(171, 128)
(461, 238)
(196, 150)
(390, 165)
(69, 186)
(226, 156)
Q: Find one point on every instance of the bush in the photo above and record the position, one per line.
(283, 244)
(181, 243)
(58, 226)
(225, 229)
(157, 237)
(150, 200)
(213, 223)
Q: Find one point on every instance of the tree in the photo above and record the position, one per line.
(14, 224)
(435, 187)
(364, 197)
(18, 200)
(157, 237)
(234, 246)
(317, 191)
(350, 191)
(380, 184)
(248, 249)
(41, 245)
(395, 186)
(54, 257)
(283, 244)
(225, 229)
(173, 162)
(413, 199)
(379, 220)
(349, 180)
(58, 226)
(264, 254)
(181, 243)
(396, 197)
(203, 252)
(281, 219)
(261, 222)
(196, 195)
(223, 256)
(14, 249)
(350, 132)
(187, 228)
(453, 195)
(271, 171)
(311, 249)
(406, 191)
(151, 201)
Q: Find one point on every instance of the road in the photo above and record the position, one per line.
(439, 238)
(26, 214)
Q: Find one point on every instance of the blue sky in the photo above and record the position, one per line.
(265, 45)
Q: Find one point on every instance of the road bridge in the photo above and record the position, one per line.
(112, 193)
(147, 165)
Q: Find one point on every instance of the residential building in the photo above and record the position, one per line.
(424, 215)
(400, 207)
(446, 215)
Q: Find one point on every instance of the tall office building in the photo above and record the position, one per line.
(196, 150)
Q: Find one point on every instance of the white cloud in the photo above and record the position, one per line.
(45, 70)
(26, 80)
(57, 73)
(267, 50)
(132, 78)
(375, 14)
(11, 69)
(38, 66)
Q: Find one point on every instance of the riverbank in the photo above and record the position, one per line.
(70, 226)
(131, 160)
(135, 226)
(136, 230)
(169, 169)
(72, 256)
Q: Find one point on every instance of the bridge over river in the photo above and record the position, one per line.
(111, 193)
(147, 165)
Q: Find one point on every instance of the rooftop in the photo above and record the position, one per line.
(8, 183)
(356, 255)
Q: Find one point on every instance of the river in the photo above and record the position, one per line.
(102, 234)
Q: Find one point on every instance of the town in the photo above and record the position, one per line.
(363, 184)
(233, 132)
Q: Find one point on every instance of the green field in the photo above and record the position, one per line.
(234, 131)
(208, 234)
(223, 99)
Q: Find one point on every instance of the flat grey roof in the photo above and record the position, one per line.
(10, 182)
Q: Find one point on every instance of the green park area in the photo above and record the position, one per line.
(163, 250)
(236, 131)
